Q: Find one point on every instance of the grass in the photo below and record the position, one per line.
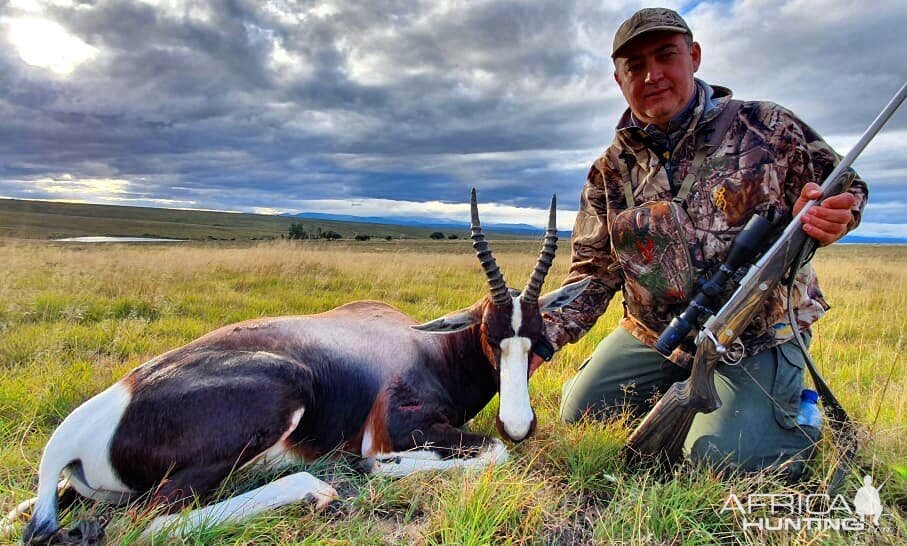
(76, 318)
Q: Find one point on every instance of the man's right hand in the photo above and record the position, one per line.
(828, 221)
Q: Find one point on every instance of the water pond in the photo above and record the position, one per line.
(105, 239)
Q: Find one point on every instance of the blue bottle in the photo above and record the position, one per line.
(809, 415)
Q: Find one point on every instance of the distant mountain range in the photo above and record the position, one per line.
(517, 229)
(423, 222)
(859, 240)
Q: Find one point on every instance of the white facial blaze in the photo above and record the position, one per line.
(515, 411)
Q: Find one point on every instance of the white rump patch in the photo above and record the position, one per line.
(90, 434)
(409, 462)
(86, 435)
(286, 490)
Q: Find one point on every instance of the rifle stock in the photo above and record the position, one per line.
(661, 434)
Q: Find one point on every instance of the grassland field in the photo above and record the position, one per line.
(74, 319)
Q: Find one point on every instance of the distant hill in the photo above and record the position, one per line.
(860, 240)
(425, 222)
(53, 220)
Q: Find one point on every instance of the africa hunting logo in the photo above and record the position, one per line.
(810, 512)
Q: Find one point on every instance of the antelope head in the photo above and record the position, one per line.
(510, 323)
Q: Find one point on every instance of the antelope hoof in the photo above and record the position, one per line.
(89, 532)
(495, 454)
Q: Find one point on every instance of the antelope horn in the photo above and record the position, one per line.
(534, 287)
(499, 293)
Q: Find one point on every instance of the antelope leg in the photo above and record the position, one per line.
(286, 490)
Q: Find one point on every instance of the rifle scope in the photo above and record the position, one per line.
(746, 245)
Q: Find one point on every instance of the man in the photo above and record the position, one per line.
(710, 163)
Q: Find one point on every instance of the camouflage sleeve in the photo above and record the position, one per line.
(591, 257)
(811, 159)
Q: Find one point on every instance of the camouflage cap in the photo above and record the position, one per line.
(648, 20)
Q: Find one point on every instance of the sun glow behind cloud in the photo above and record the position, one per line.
(46, 44)
(67, 184)
(102, 191)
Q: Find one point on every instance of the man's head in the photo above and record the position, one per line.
(655, 58)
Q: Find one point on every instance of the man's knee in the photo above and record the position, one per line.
(579, 400)
(788, 455)
(620, 377)
(570, 414)
(613, 404)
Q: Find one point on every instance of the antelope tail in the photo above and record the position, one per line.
(45, 519)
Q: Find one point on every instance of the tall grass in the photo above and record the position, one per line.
(75, 319)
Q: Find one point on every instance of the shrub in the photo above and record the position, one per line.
(297, 231)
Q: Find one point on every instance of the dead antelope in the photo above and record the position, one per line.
(363, 377)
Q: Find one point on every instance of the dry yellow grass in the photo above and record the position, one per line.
(74, 319)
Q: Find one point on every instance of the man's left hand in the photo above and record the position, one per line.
(535, 361)
(826, 222)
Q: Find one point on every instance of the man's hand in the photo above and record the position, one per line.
(541, 351)
(534, 362)
(828, 221)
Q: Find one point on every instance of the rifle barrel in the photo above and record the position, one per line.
(854, 152)
(871, 132)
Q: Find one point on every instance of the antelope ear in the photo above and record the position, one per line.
(563, 295)
(454, 322)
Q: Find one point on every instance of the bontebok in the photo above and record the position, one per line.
(363, 377)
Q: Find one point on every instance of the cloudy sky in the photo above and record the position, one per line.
(375, 107)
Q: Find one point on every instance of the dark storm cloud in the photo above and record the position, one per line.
(245, 104)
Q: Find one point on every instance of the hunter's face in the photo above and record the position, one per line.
(655, 74)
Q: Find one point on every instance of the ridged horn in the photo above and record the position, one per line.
(496, 282)
(546, 257)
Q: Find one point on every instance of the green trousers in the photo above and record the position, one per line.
(755, 428)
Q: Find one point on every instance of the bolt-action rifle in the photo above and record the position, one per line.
(661, 434)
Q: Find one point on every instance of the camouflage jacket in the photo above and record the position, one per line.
(764, 159)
